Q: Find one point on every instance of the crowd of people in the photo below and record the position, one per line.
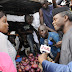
(55, 25)
(62, 20)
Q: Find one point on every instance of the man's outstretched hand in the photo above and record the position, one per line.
(42, 57)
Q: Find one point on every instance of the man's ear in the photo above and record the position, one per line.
(66, 18)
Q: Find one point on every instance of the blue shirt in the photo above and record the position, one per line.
(54, 67)
(47, 16)
(54, 50)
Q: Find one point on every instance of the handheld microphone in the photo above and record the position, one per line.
(45, 48)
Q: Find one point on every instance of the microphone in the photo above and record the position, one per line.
(45, 48)
(46, 42)
(52, 40)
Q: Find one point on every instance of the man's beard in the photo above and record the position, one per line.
(46, 36)
(61, 28)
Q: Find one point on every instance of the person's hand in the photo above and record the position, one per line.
(42, 57)
(58, 44)
(70, 3)
(53, 61)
